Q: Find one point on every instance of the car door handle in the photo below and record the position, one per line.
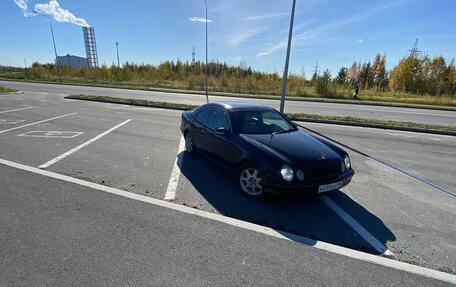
(204, 131)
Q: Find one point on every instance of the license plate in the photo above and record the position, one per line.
(331, 186)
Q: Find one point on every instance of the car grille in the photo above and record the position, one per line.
(328, 169)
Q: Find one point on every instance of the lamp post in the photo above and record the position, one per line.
(285, 72)
(118, 60)
(207, 97)
(57, 64)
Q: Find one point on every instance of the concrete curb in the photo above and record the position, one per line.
(377, 126)
(365, 125)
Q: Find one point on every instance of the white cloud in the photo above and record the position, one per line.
(199, 19)
(273, 49)
(263, 17)
(237, 38)
(59, 14)
(360, 40)
(24, 6)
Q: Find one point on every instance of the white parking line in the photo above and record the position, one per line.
(60, 157)
(174, 179)
(15, 110)
(10, 122)
(35, 123)
(365, 257)
(378, 246)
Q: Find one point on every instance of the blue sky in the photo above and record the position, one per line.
(334, 33)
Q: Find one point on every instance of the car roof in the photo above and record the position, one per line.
(240, 106)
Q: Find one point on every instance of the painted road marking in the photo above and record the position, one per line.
(366, 257)
(35, 123)
(51, 134)
(174, 179)
(60, 157)
(10, 122)
(378, 246)
(15, 110)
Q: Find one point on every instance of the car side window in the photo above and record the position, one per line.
(218, 119)
(204, 114)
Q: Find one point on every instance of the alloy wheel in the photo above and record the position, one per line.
(250, 180)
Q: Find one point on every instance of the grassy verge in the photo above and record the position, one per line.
(347, 119)
(5, 90)
(147, 103)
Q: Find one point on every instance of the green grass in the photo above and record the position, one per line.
(132, 101)
(5, 90)
(347, 119)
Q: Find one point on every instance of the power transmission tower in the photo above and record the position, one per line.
(414, 51)
(316, 72)
(193, 55)
(317, 69)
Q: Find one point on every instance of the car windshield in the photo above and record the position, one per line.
(259, 122)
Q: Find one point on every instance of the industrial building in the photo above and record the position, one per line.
(72, 61)
(91, 60)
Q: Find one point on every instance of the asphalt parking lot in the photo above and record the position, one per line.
(401, 202)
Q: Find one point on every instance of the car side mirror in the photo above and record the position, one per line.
(221, 131)
(294, 125)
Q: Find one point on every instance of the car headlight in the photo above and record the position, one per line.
(287, 172)
(347, 162)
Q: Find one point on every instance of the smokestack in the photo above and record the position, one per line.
(90, 46)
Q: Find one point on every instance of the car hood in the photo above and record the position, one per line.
(295, 145)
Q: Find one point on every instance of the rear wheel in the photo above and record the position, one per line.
(250, 180)
(189, 146)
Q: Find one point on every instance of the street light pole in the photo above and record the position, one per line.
(57, 62)
(207, 97)
(118, 61)
(285, 71)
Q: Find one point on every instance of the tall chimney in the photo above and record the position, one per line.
(90, 46)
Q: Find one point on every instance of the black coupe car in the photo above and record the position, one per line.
(267, 152)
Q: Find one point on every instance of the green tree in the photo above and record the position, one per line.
(408, 75)
(342, 76)
(380, 75)
(323, 84)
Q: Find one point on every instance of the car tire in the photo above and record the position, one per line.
(189, 145)
(249, 180)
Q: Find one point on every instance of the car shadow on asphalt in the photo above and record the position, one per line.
(306, 216)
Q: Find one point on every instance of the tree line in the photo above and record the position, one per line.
(415, 74)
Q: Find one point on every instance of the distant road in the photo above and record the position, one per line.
(423, 116)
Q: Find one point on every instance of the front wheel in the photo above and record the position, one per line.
(189, 146)
(250, 180)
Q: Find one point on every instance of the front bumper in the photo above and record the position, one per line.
(302, 188)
